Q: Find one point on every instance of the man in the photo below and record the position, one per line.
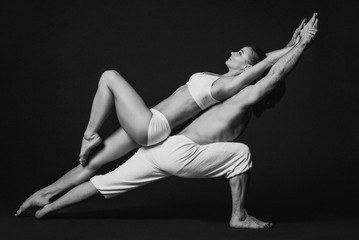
(200, 149)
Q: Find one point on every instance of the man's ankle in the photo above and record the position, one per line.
(240, 215)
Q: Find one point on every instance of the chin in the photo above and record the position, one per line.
(228, 63)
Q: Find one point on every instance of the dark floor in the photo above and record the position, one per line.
(100, 219)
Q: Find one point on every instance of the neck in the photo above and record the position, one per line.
(232, 72)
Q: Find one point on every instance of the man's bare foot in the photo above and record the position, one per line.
(249, 222)
(37, 200)
(88, 142)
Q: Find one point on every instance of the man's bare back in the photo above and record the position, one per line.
(223, 122)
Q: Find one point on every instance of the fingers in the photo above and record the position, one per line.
(313, 22)
(302, 24)
(311, 33)
(316, 23)
(313, 18)
(300, 27)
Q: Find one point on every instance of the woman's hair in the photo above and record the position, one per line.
(256, 56)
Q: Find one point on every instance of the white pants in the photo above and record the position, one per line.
(178, 156)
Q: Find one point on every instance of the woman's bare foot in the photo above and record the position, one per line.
(42, 212)
(249, 222)
(88, 142)
(37, 200)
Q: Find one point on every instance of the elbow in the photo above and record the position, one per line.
(276, 74)
(270, 60)
(278, 69)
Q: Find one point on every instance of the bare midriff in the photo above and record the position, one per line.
(179, 107)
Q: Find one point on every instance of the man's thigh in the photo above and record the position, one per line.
(182, 157)
(219, 159)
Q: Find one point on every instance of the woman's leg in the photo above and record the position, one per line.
(75, 195)
(137, 171)
(133, 114)
(116, 146)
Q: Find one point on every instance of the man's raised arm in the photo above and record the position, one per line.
(224, 90)
(283, 66)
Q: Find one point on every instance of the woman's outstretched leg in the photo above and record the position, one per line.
(116, 146)
(133, 114)
(75, 195)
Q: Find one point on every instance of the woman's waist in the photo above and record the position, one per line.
(178, 108)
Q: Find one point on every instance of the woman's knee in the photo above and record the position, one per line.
(110, 76)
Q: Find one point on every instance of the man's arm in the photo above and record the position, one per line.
(296, 35)
(282, 67)
(294, 40)
(222, 90)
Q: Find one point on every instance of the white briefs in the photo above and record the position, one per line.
(158, 129)
(178, 156)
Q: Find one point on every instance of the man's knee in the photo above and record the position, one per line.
(244, 152)
(244, 148)
(247, 154)
(241, 149)
(110, 76)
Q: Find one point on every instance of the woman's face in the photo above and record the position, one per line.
(239, 59)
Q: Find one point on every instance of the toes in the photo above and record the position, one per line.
(38, 214)
(87, 145)
(18, 212)
(83, 158)
(22, 209)
(82, 161)
(267, 225)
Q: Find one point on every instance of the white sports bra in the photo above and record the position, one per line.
(199, 85)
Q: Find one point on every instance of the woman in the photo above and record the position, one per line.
(135, 117)
(150, 126)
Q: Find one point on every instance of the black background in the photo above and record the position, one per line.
(305, 150)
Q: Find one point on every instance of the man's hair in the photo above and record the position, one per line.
(256, 56)
(270, 100)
